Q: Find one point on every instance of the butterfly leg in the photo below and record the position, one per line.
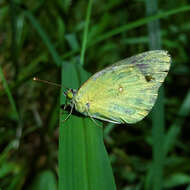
(93, 120)
(69, 113)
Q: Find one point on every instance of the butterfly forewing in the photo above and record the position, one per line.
(126, 91)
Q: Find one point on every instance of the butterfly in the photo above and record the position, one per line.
(124, 92)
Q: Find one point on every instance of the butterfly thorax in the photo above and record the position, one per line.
(80, 104)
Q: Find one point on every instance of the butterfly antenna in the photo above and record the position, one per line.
(48, 82)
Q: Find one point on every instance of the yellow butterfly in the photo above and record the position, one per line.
(124, 92)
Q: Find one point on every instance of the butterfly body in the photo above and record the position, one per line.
(126, 91)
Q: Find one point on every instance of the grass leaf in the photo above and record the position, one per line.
(44, 37)
(83, 160)
(9, 94)
(156, 171)
(85, 35)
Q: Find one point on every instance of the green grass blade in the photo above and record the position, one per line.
(85, 35)
(83, 160)
(175, 128)
(158, 142)
(44, 37)
(130, 26)
(44, 180)
(8, 92)
(140, 22)
(14, 44)
(158, 111)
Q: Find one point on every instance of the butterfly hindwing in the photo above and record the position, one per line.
(126, 91)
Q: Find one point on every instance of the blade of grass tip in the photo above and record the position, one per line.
(10, 97)
(158, 111)
(44, 36)
(14, 46)
(85, 34)
(83, 161)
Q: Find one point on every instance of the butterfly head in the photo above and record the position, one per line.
(70, 93)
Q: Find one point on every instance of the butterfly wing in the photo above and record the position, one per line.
(126, 91)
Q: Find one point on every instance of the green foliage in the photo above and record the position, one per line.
(9, 95)
(60, 41)
(81, 149)
(44, 180)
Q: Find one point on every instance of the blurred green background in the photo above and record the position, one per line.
(36, 37)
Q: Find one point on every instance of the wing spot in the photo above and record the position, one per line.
(148, 78)
(120, 89)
